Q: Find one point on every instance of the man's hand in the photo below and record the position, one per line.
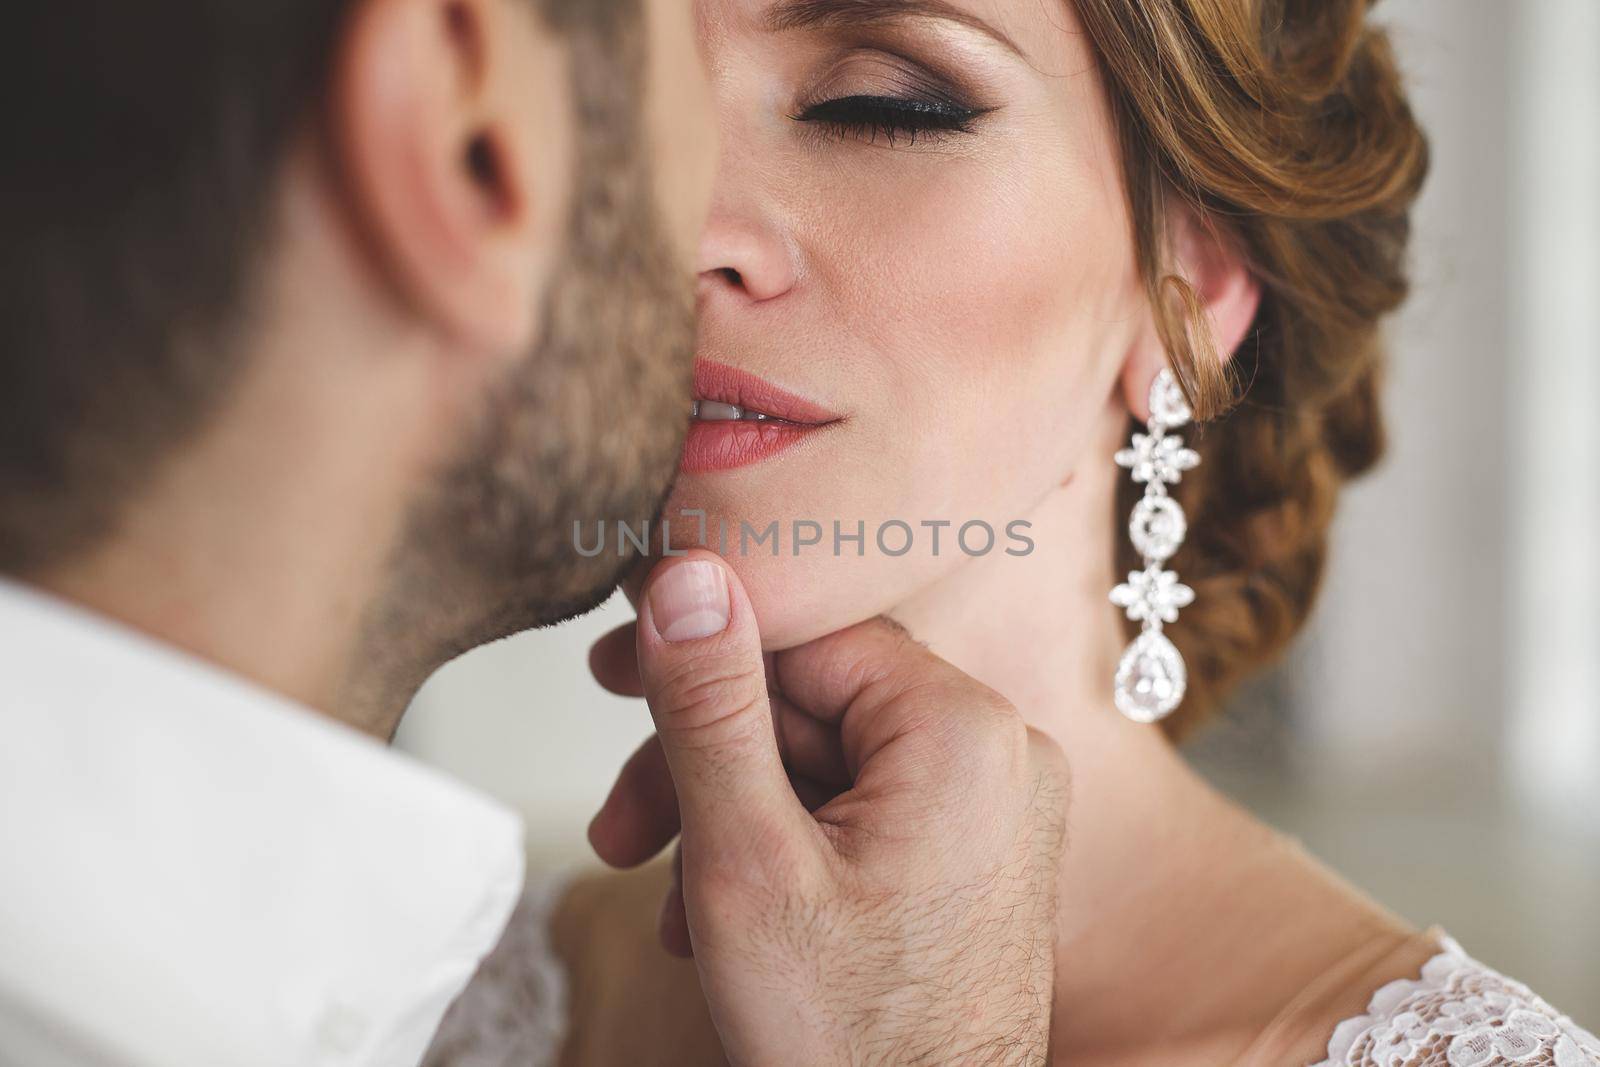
(908, 915)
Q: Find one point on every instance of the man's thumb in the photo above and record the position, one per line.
(700, 665)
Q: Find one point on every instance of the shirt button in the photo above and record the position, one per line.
(341, 1030)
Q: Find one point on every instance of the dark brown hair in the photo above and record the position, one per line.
(145, 145)
(1285, 125)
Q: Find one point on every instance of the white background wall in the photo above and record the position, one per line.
(1437, 736)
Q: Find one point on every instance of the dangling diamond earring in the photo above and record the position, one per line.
(1151, 676)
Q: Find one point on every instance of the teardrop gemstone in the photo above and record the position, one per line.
(1150, 678)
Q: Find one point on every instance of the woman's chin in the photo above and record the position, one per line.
(800, 589)
(800, 600)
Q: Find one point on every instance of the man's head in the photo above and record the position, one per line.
(352, 306)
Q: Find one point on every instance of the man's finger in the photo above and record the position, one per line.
(810, 747)
(640, 814)
(700, 661)
(879, 686)
(672, 925)
(614, 662)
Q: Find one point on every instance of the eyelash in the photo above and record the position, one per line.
(891, 117)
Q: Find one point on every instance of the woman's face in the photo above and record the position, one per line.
(917, 226)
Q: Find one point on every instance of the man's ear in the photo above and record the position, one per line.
(449, 128)
(1215, 267)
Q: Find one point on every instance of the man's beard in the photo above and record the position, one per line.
(587, 428)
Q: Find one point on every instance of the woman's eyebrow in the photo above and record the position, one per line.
(835, 14)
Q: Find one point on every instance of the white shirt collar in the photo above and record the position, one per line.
(194, 871)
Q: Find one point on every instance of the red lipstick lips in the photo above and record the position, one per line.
(723, 444)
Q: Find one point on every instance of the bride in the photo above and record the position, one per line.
(972, 264)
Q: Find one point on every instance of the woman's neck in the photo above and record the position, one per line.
(1164, 881)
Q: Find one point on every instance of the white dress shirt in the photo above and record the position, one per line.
(194, 871)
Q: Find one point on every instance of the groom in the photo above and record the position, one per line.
(324, 321)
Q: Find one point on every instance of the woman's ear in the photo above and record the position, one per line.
(1214, 265)
(448, 127)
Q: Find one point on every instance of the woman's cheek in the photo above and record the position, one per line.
(945, 303)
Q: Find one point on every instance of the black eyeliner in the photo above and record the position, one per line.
(891, 116)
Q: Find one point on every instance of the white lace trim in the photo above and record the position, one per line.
(1460, 1013)
(514, 1011)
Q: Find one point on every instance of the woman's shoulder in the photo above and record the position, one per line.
(629, 1001)
(1458, 1012)
(1379, 992)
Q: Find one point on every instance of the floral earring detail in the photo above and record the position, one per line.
(1151, 676)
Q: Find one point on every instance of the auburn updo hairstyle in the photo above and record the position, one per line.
(1284, 124)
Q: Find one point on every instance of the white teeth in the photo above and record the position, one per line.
(716, 411)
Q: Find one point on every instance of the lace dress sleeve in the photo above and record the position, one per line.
(1460, 1013)
(514, 1011)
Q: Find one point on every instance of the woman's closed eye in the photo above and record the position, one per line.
(893, 118)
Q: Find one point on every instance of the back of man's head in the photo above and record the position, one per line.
(145, 141)
(440, 285)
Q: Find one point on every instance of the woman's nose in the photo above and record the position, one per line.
(743, 256)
